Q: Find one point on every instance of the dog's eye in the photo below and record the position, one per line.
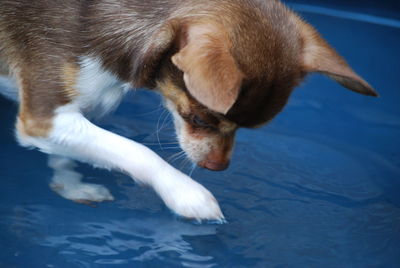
(197, 121)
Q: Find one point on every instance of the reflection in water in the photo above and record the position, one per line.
(67, 182)
(303, 200)
(114, 241)
(318, 187)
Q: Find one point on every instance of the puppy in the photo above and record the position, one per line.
(220, 65)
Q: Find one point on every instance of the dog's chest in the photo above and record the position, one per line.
(99, 91)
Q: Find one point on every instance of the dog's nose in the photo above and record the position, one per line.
(214, 165)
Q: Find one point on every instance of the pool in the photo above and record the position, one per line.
(318, 187)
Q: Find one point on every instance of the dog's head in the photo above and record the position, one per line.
(235, 66)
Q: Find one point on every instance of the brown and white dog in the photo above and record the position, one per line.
(220, 64)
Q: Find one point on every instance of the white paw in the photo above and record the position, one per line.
(189, 199)
(82, 192)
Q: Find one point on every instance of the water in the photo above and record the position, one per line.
(318, 187)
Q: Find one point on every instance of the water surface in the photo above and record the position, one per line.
(318, 187)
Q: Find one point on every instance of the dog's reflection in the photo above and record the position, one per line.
(111, 237)
(67, 182)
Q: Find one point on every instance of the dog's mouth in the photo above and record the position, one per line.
(214, 165)
(206, 139)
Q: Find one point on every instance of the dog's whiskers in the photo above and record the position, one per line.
(176, 156)
(193, 168)
(184, 162)
(151, 112)
(158, 128)
(164, 143)
(180, 157)
(171, 147)
(168, 116)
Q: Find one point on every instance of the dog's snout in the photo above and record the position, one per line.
(218, 158)
(214, 165)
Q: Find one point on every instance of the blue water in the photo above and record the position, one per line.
(318, 187)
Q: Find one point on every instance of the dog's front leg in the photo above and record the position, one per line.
(72, 135)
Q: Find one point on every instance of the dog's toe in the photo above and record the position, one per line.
(198, 204)
(191, 200)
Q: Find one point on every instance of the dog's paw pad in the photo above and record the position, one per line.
(82, 191)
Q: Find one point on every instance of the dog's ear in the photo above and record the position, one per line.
(210, 71)
(319, 56)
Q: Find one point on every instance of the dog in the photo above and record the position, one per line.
(219, 64)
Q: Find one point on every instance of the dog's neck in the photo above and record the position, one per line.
(119, 35)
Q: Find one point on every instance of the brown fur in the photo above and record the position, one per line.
(69, 76)
(4, 68)
(208, 45)
(318, 56)
(224, 63)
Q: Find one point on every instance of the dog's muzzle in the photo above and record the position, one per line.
(214, 165)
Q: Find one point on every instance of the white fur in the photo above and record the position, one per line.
(196, 149)
(100, 91)
(67, 182)
(73, 136)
